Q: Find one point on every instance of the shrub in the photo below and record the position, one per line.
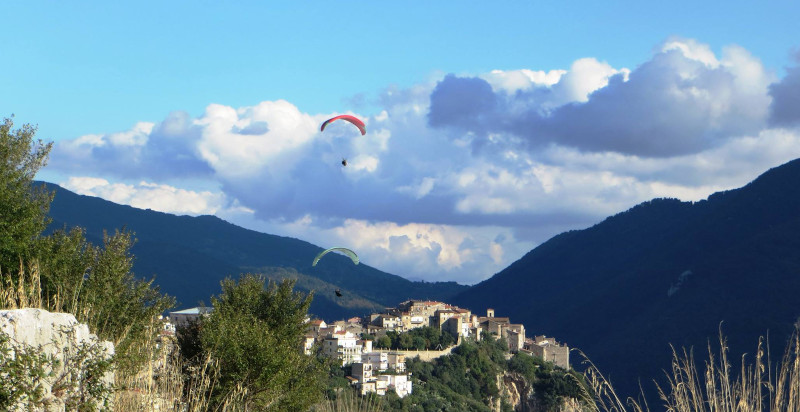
(255, 335)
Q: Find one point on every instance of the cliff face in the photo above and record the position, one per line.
(56, 361)
(519, 393)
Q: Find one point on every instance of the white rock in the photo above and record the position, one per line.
(55, 334)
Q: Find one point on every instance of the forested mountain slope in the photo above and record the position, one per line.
(663, 272)
(190, 255)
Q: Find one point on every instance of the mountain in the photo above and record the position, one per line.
(190, 255)
(664, 272)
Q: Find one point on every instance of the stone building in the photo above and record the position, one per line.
(549, 350)
(501, 327)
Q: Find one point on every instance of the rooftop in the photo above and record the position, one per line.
(193, 311)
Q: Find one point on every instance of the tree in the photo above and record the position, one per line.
(23, 209)
(255, 334)
(95, 284)
(384, 342)
(405, 341)
(419, 343)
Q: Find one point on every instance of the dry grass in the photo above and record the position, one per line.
(720, 386)
(167, 385)
(26, 293)
(348, 401)
(161, 385)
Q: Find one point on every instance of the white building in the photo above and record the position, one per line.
(396, 361)
(369, 379)
(342, 345)
(400, 383)
(308, 343)
(362, 371)
(379, 360)
(182, 318)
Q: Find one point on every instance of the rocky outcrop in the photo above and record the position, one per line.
(57, 363)
(518, 392)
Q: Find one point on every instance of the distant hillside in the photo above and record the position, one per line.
(663, 272)
(190, 255)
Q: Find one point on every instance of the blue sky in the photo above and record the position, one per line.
(492, 126)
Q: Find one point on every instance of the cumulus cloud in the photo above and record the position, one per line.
(683, 100)
(458, 253)
(459, 176)
(515, 80)
(159, 197)
(785, 109)
(160, 151)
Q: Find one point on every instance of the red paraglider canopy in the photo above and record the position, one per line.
(352, 119)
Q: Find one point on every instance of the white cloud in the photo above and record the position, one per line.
(235, 154)
(584, 77)
(681, 101)
(459, 176)
(159, 197)
(692, 49)
(433, 252)
(514, 80)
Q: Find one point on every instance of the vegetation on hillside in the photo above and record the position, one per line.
(663, 272)
(424, 338)
(246, 355)
(191, 255)
(23, 209)
(254, 329)
(468, 379)
(63, 270)
(254, 337)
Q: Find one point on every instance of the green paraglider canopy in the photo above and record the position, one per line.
(352, 255)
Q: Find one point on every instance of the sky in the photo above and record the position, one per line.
(491, 126)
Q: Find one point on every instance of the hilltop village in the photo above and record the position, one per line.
(376, 370)
(351, 342)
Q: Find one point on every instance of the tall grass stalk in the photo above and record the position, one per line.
(718, 387)
(346, 400)
(26, 293)
(168, 383)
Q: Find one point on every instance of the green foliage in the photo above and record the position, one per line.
(120, 305)
(337, 377)
(97, 285)
(255, 334)
(23, 371)
(466, 380)
(551, 384)
(384, 342)
(416, 339)
(94, 283)
(23, 209)
(78, 377)
(463, 381)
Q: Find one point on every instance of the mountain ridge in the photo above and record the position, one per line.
(663, 272)
(190, 255)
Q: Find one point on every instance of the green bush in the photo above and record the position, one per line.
(416, 339)
(23, 208)
(255, 334)
(79, 380)
(72, 275)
